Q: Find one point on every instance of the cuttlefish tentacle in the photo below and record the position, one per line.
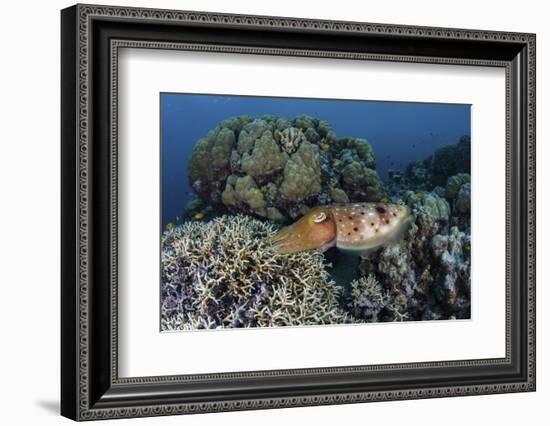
(356, 228)
(317, 229)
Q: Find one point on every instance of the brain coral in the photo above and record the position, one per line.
(282, 166)
(223, 273)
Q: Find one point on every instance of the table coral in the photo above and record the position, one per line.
(224, 274)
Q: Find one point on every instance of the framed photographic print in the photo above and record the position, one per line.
(263, 212)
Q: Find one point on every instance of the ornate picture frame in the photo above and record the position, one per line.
(91, 38)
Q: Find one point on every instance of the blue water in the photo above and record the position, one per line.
(399, 132)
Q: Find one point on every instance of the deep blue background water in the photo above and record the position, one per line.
(399, 132)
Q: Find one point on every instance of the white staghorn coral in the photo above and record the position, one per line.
(224, 273)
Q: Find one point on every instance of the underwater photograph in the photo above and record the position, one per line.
(282, 211)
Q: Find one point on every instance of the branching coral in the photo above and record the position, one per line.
(370, 302)
(224, 273)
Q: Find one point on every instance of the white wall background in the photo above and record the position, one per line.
(29, 211)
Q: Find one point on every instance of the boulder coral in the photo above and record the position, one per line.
(457, 192)
(224, 274)
(283, 167)
(265, 159)
(302, 174)
(242, 191)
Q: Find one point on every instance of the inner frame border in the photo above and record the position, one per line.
(117, 44)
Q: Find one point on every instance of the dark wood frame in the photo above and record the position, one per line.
(90, 386)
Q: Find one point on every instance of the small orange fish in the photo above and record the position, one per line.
(356, 228)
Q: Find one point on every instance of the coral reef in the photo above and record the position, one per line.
(278, 168)
(446, 161)
(428, 271)
(223, 273)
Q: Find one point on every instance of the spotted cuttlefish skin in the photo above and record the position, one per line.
(356, 228)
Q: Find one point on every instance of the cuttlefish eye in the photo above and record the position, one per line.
(319, 217)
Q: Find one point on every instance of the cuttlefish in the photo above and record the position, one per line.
(354, 228)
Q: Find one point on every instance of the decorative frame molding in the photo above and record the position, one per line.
(91, 37)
